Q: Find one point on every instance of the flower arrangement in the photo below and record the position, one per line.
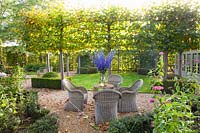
(103, 63)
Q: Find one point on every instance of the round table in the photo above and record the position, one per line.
(103, 86)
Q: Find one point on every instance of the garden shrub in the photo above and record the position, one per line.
(46, 83)
(88, 70)
(169, 86)
(83, 70)
(173, 113)
(47, 124)
(140, 123)
(142, 71)
(92, 70)
(32, 108)
(51, 75)
(11, 100)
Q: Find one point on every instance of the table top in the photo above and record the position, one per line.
(103, 86)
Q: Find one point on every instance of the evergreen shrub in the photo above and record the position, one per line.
(47, 124)
(50, 75)
(46, 83)
(142, 71)
(140, 123)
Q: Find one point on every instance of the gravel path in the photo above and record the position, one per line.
(74, 122)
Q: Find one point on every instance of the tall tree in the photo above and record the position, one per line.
(172, 26)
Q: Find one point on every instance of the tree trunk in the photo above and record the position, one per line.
(118, 61)
(67, 64)
(79, 64)
(61, 65)
(165, 67)
(48, 62)
(180, 63)
(40, 58)
(108, 45)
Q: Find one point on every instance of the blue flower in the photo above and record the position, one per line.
(103, 63)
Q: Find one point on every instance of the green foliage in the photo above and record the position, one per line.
(132, 124)
(47, 124)
(173, 113)
(88, 70)
(143, 71)
(11, 100)
(46, 83)
(157, 74)
(32, 108)
(169, 86)
(33, 67)
(51, 75)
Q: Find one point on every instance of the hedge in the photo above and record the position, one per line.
(142, 71)
(88, 70)
(46, 83)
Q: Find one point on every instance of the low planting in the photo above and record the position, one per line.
(46, 83)
(46, 124)
(19, 108)
(140, 123)
(32, 108)
(11, 101)
(174, 112)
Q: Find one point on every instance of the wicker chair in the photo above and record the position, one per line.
(77, 96)
(106, 105)
(115, 80)
(128, 101)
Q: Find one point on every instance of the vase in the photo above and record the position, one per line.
(102, 79)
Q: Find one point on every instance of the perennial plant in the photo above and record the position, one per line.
(103, 63)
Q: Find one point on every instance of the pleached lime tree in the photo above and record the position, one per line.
(172, 27)
(108, 28)
(51, 30)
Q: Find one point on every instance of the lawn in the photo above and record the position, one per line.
(89, 80)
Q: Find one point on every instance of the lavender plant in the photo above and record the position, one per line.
(103, 63)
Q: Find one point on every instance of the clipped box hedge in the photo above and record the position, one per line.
(142, 71)
(46, 83)
(88, 70)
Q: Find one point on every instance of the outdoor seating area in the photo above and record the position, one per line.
(100, 66)
(85, 120)
(108, 101)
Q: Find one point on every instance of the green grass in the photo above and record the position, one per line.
(89, 80)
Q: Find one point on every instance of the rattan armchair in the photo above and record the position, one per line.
(106, 102)
(115, 80)
(128, 101)
(77, 96)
